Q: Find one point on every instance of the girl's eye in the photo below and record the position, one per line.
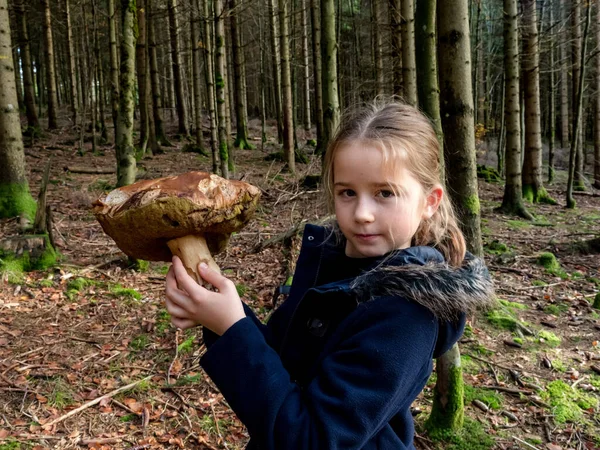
(386, 193)
(346, 193)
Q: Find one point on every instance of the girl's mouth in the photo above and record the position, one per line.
(366, 237)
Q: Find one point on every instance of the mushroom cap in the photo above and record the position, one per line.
(144, 216)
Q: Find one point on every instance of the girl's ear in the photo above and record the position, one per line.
(432, 201)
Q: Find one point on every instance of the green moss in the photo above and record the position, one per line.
(219, 82)
(223, 152)
(472, 205)
(242, 143)
(472, 436)
(555, 310)
(16, 199)
(194, 148)
(513, 305)
(139, 343)
(189, 379)
(241, 289)
(489, 174)
(548, 338)
(129, 294)
(518, 340)
(538, 283)
(311, 143)
(139, 265)
(490, 397)
(502, 320)
(61, 395)
(567, 403)
(496, 248)
(10, 445)
(450, 415)
(548, 261)
(128, 418)
(517, 224)
(101, 185)
(12, 269)
(78, 284)
(469, 365)
(186, 346)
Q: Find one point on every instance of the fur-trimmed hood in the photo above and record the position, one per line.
(446, 291)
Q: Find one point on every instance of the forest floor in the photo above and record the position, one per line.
(75, 333)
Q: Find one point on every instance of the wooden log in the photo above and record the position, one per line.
(89, 170)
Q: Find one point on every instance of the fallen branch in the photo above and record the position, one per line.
(89, 170)
(94, 402)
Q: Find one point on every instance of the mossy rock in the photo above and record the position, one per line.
(489, 174)
(548, 261)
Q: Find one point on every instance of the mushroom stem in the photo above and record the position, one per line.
(192, 250)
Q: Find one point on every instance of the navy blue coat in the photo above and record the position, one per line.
(339, 364)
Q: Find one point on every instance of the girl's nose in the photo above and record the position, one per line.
(364, 212)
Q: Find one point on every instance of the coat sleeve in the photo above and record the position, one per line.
(378, 367)
(210, 337)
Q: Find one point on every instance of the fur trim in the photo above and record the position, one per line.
(444, 290)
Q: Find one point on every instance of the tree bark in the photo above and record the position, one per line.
(329, 47)
(551, 99)
(125, 151)
(72, 85)
(220, 80)
(15, 198)
(456, 95)
(98, 84)
(409, 70)
(578, 183)
(378, 36)
(50, 69)
(142, 73)
(597, 110)
(276, 60)
(306, 67)
(564, 80)
(286, 88)
(512, 202)
(239, 76)
(533, 185)
(114, 64)
(182, 114)
(196, 84)
(315, 16)
(210, 84)
(396, 31)
(28, 88)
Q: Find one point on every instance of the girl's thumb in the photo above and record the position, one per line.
(211, 276)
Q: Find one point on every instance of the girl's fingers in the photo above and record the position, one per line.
(182, 323)
(183, 280)
(175, 309)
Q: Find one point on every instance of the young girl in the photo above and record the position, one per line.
(375, 298)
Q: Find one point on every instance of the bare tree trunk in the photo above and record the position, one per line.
(50, 69)
(512, 202)
(210, 85)
(564, 80)
(177, 71)
(154, 76)
(239, 76)
(196, 85)
(306, 68)
(220, 81)
(315, 16)
(578, 183)
(99, 85)
(71, 64)
(409, 70)
(329, 46)
(597, 109)
(533, 185)
(276, 68)
(551, 99)
(28, 88)
(378, 36)
(286, 88)
(395, 22)
(15, 198)
(142, 73)
(114, 64)
(125, 151)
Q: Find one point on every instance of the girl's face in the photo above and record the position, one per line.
(377, 212)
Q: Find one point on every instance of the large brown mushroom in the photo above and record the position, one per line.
(190, 215)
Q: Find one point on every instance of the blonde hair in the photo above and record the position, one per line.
(405, 136)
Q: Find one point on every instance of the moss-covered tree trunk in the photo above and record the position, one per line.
(125, 151)
(15, 198)
(220, 80)
(456, 100)
(286, 88)
(564, 78)
(25, 49)
(209, 74)
(315, 16)
(396, 47)
(409, 68)
(71, 78)
(378, 30)
(114, 64)
(182, 114)
(50, 69)
(577, 110)
(428, 88)
(275, 61)
(512, 202)
(533, 185)
(239, 76)
(329, 48)
(141, 66)
(157, 103)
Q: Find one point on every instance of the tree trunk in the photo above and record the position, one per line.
(18, 71)
(551, 99)
(276, 68)
(98, 84)
(196, 85)
(239, 76)
(210, 85)
(286, 88)
(428, 89)
(329, 47)
(597, 110)
(578, 183)
(409, 70)
(533, 185)
(71, 64)
(512, 202)
(378, 36)
(142, 73)
(114, 64)
(177, 71)
(456, 96)
(28, 88)
(220, 81)
(15, 198)
(125, 151)
(157, 104)
(306, 67)
(396, 31)
(315, 16)
(564, 80)
(50, 69)
(577, 107)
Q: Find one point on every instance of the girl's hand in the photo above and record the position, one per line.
(191, 304)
